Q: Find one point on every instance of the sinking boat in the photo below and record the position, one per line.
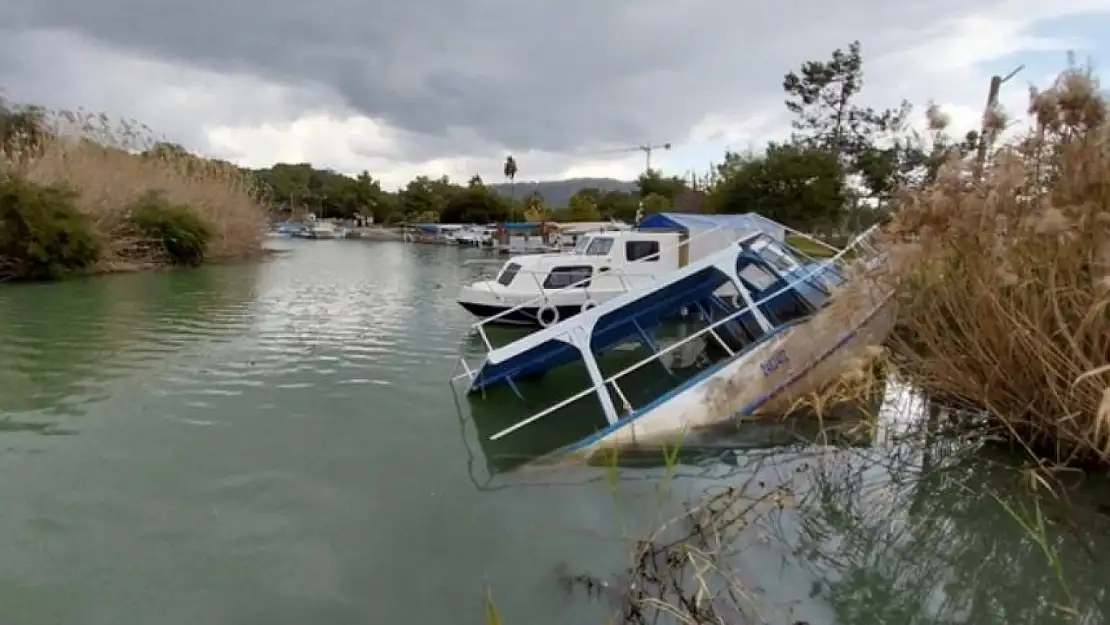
(790, 328)
(544, 288)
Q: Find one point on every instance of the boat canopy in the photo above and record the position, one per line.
(692, 222)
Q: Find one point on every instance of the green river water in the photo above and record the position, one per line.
(277, 443)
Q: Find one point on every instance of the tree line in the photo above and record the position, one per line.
(837, 171)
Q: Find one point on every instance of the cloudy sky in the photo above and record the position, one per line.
(404, 87)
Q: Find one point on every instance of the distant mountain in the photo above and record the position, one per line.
(557, 193)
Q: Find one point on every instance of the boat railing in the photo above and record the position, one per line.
(544, 297)
(708, 330)
(863, 241)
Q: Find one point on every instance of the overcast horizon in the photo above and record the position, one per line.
(440, 88)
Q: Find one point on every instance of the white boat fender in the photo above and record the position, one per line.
(547, 315)
(588, 304)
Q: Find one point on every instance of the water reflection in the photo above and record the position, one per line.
(62, 346)
(866, 515)
(943, 545)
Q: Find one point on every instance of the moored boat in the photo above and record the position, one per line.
(317, 229)
(542, 289)
(789, 329)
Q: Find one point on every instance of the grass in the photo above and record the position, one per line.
(809, 247)
(1005, 280)
(111, 166)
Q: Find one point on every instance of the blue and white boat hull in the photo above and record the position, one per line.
(768, 378)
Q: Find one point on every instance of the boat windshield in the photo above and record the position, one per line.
(594, 246)
(775, 255)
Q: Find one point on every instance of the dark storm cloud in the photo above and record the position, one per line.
(555, 75)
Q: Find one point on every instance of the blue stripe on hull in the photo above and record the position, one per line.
(521, 316)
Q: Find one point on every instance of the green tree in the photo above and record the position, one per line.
(510, 170)
(21, 127)
(475, 204)
(371, 200)
(583, 206)
(656, 203)
(166, 149)
(420, 197)
(870, 143)
(534, 208)
(654, 182)
(618, 205)
(798, 185)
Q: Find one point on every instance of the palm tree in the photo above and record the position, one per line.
(510, 173)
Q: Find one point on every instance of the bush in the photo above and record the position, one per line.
(181, 234)
(112, 165)
(1006, 279)
(43, 235)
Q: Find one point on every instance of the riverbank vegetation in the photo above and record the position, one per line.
(80, 194)
(1004, 268)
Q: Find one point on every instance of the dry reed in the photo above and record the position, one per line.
(111, 164)
(1005, 279)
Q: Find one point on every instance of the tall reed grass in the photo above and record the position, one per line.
(111, 165)
(1004, 280)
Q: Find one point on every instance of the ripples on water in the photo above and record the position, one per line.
(351, 482)
(302, 321)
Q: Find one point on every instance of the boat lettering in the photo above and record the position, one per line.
(778, 358)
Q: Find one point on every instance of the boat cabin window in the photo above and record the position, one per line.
(648, 250)
(775, 257)
(757, 276)
(562, 277)
(779, 305)
(507, 275)
(594, 246)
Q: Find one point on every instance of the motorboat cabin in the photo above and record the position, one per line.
(542, 289)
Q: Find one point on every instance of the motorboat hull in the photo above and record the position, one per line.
(507, 309)
(766, 379)
(517, 316)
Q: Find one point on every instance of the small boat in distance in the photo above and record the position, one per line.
(791, 327)
(317, 229)
(477, 236)
(286, 228)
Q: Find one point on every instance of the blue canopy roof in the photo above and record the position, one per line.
(522, 226)
(694, 221)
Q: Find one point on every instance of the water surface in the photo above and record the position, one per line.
(277, 443)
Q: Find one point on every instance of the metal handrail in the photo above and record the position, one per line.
(656, 355)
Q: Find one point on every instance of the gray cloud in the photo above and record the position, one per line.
(555, 75)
